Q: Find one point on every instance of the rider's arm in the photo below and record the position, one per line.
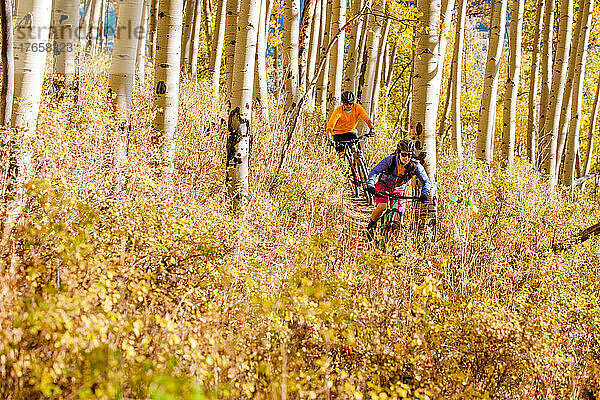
(364, 116)
(382, 166)
(425, 182)
(331, 123)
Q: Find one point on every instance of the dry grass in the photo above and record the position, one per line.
(169, 295)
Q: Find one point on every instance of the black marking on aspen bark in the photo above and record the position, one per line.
(161, 87)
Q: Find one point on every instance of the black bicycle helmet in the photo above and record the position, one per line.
(348, 97)
(405, 145)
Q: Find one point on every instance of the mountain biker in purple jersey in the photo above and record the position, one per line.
(395, 172)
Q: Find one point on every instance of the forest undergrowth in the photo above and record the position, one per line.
(168, 296)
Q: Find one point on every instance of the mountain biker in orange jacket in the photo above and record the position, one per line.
(342, 123)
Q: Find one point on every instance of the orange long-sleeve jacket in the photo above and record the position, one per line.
(343, 122)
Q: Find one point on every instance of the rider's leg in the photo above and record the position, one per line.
(377, 211)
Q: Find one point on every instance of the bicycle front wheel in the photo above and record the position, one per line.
(362, 176)
(352, 175)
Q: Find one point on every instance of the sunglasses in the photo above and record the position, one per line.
(403, 154)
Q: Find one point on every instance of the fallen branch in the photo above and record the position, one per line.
(578, 238)
(585, 178)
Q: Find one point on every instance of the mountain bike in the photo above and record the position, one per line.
(390, 226)
(358, 171)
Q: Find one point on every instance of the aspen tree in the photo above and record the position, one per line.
(355, 33)
(217, 46)
(380, 67)
(314, 48)
(336, 61)
(559, 72)
(291, 33)
(240, 117)
(511, 88)
(231, 23)
(372, 49)
(30, 34)
(487, 112)
(565, 113)
(304, 42)
(84, 23)
(573, 135)
(260, 78)
(457, 57)
(207, 13)
(65, 22)
(140, 59)
(93, 30)
(195, 41)
(166, 87)
(8, 63)
(152, 30)
(120, 84)
(546, 78)
(426, 100)
(591, 129)
(321, 89)
(533, 85)
(186, 35)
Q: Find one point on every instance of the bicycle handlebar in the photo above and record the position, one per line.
(356, 139)
(396, 197)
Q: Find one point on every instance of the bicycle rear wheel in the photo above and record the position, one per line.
(363, 175)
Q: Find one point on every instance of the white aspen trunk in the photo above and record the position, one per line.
(140, 60)
(565, 113)
(186, 35)
(573, 135)
(355, 33)
(260, 79)
(291, 33)
(122, 65)
(166, 93)
(66, 23)
(7, 87)
(359, 74)
(336, 62)
(304, 43)
(380, 69)
(101, 40)
(487, 113)
(217, 46)
(511, 87)
(591, 129)
(547, 54)
(84, 24)
(231, 18)
(457, 57)
(195, 43)
(238, 144)
(532, 109)
(556, 93)
(152, 30)
(314, 49)
(31, 32)
(372, 49)
(120, 85)
(426, 102)
(446, 19)
(321, 90)
(207, 13)
(93, 30)
(392, 63)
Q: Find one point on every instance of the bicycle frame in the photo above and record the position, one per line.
(390, 220)
(358, 166)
